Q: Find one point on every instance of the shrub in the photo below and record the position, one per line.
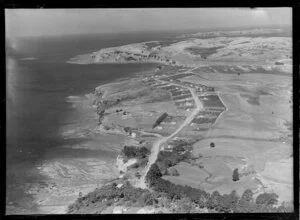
(160, 119)
(174, 191)
(245, 201)
(135, 166)
(143, 162)
(214, 201)
(169, 159)
(173, 172)
(135, 152)
(229, 202)
(267, 199)
(138, 175)
(235, 175)
(153, 174)
(184, 205)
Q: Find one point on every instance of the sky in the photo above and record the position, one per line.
(49, 22)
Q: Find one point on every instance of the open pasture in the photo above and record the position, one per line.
(256, 152)
(188, 175)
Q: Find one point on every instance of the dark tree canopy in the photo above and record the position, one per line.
(267, 199)
(235, 175)
(153, 174)
(214, 201)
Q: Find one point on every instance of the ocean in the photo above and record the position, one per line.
(38, 81)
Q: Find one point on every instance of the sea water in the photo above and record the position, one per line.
(38, 83)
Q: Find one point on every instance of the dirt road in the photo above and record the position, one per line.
(156, 146)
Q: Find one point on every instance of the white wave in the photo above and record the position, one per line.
(29, 58)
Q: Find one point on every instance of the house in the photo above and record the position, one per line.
(119, 185)
(133, 135)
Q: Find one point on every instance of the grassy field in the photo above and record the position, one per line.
(252, 135)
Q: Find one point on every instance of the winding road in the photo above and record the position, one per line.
(156, 146)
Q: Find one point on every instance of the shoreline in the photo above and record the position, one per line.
(64, 186)
(114, 62)
(67, 178)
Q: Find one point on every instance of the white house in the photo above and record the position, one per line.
(133, 134)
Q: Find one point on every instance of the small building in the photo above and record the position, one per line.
(133, 135)
(119, 185)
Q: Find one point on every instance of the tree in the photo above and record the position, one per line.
(212, 144)
(214, 201)
(173, 172)
(235, 175)
(245, 202)
(247, 196)
(228, 202)
(267, 199)
(184, 205)
(153, 174)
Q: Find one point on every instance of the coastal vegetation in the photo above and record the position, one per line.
(135, 152)
(179, 180)
(175, 198)
(225, 203)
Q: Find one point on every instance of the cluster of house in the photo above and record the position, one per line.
(133, 56)
(175, 143)
(133, 132)
(183, 98)
(213, 107)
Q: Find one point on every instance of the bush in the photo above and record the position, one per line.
(138, 175)
(184, 205)
(245, 202)
(174, 191)
(214, 201)
(143, 162)
(173, 172)
(160, 119)
(135, 152)
(267, 199)
(135, 166)
(169, 159)
(229, 202)
(235, 175)
(153, 175)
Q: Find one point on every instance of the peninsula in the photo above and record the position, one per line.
(209, 128)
